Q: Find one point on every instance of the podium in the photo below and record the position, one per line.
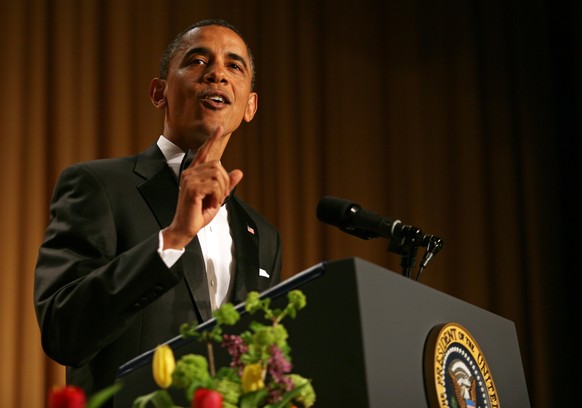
(362, 339)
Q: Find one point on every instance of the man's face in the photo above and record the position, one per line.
(208, 85)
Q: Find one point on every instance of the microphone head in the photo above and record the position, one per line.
(339, 213)
(334, 211)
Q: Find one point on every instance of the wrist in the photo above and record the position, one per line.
(174, 240)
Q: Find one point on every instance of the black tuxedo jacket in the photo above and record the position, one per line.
(102, 293)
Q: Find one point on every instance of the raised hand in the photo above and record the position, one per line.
(204, 185)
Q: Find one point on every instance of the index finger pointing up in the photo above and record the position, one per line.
(213, 148)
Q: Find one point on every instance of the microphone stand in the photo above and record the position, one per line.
(406, 245)
(433, 245)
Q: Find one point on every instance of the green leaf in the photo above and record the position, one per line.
(256, 326)
(102, 396)
(187, 330)
(253, 302)
(254, 399)
(217, 338)
(226, 315)
(159, 399)
(228, 373)
(288, 397)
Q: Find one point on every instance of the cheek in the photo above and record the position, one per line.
(180, 98)
(180, 88)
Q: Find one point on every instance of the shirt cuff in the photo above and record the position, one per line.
(169, 256)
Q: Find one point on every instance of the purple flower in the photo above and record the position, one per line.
(235, 347)
(278, 367)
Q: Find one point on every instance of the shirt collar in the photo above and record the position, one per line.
(172, 153)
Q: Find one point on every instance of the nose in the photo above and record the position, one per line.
(216, 73)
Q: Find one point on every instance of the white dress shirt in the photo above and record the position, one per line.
(215, 240)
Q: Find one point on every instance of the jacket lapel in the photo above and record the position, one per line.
(196, 280)
(245, 235)
(160, 191)
(160, 188)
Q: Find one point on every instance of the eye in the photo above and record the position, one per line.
(195, 60)
(235, 66)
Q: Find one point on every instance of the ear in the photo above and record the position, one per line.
(158, 93)
(252, 106)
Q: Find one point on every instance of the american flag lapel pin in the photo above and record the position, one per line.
(250, 229)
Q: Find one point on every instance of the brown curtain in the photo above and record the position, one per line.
(459, 117)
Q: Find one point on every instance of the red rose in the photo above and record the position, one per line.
(67, 397)
(205, 398)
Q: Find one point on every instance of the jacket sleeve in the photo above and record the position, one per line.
(85, 292)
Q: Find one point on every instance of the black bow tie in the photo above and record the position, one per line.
(186, 161)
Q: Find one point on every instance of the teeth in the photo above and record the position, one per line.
(216, 98)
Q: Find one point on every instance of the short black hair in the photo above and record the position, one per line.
(175, 44)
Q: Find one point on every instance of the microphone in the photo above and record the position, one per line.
(404, 239)
(353, 219)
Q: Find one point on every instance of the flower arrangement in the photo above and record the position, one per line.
(259, 374)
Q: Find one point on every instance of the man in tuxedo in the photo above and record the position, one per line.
(134, 247)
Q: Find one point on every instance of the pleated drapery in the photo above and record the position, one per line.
(459, 117)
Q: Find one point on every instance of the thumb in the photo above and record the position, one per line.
(235, 177)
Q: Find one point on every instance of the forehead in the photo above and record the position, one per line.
(215, 39)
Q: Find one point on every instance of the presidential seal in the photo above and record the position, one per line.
(456, 374)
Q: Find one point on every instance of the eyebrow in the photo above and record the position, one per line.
(206, 52)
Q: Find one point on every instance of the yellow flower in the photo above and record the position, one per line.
(163, 366)
(252, 378)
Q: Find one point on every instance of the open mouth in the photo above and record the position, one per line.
(216, 98)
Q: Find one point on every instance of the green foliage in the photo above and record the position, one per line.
(254, 399)
(102, 396)
(260, 340)
(157, 399)
(287, 398)
(253, 303)
(306, 394)
(296, 298)
(187, 330)
(227, 373)
(227, 315)
(191, 368)
(230, 390)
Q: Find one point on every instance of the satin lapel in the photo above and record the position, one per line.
(245, 235)
(160, 191)
(160, 188)
(195, 275)
(161, 194)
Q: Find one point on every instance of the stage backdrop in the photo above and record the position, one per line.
(459, 117)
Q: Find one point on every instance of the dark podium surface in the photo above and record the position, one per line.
(362, 336)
